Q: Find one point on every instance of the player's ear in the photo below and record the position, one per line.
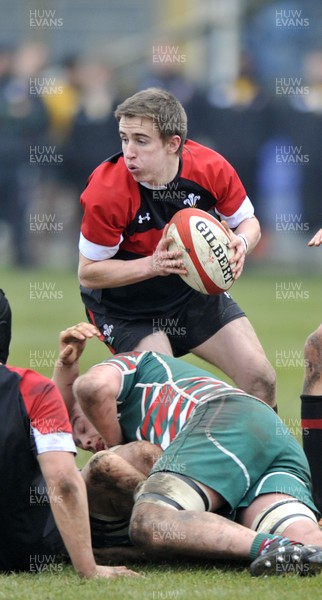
(173, 144)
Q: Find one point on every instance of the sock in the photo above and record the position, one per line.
(311, 423)
(263, 541)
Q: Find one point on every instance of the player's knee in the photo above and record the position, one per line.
(98, 465)
(313, 346)
(262, 382)
(141, 526)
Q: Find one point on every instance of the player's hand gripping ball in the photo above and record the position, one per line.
(203, 242)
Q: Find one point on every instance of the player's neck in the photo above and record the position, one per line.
(168, 173)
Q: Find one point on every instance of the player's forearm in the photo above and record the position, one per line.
(64, 377)
(249, 228)
(70, 510)
(68, 500)
(113, 273)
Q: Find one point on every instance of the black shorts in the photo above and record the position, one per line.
(108, 532)
(186, 327)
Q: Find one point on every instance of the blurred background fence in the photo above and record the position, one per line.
(249, 73)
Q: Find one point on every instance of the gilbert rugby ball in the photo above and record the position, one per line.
(203, 242)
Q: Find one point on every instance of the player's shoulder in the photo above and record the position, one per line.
(198, 151)
(20, 371)
(33, 383)
(125, 360)
(110, 175)
(109, 167)
(206, 167)
(201, 161)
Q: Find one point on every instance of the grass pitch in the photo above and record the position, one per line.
(283, 308)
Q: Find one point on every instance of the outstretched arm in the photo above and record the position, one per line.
(70, 509)
(72, 342)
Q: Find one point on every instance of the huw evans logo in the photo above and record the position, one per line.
(290, 290)
(291, 18)
(290, 222)
(45, 563)
(290, 359)
(290, 86)
(291, 155)
(45, 18)
(42, 358)
(44, 86)
(43, 223)
(44, 155)
(43, 290)
(168, 54)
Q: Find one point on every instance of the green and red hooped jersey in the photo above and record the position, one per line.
(159, 393)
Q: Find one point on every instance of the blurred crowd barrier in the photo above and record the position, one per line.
(57, 125)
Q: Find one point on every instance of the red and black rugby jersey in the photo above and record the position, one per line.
(124, 219)
(50, 427)
(33, 419)
(119, 212)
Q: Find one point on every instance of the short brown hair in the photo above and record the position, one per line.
(161, 107)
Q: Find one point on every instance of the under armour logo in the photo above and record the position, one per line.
(146, 218)
(192, 200)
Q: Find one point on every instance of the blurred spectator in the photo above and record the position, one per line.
(61, 85)
(23, 124)
(93, 133)
(300, 120)
(240, 122)
(278, 187)
(168, 73)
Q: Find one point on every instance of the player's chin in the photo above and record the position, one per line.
(137, 175)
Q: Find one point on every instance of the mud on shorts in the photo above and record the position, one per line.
(187, 327)
(227, 444)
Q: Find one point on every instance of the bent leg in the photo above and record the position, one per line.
(236, 350)
(156, 342)
(290, 523)
(112, 476)
(168, 532)
(163, 522)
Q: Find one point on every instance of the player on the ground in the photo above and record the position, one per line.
(129, 278)
(218, 458)
(43, 502)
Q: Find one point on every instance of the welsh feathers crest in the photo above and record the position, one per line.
(192, 200)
